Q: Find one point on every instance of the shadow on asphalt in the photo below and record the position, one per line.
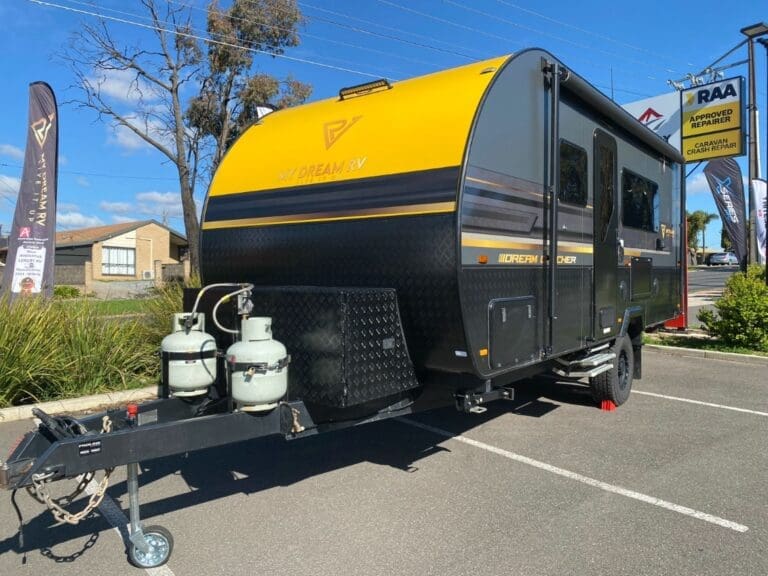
(252, 466)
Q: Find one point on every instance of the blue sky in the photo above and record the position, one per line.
(627, 49)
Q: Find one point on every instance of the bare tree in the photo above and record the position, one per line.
(188, 101)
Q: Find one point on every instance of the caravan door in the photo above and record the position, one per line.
(607, 249)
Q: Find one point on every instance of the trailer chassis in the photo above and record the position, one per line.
(64, 447)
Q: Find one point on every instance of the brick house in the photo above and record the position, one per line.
(126, 251)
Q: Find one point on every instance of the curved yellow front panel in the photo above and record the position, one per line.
(416, 125)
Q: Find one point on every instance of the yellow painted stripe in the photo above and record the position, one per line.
(388, 212)
(472, 241)
(574, 248)
(480, 243)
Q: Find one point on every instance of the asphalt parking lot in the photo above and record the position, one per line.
(674, 482)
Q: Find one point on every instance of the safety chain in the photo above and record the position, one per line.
(39, 490)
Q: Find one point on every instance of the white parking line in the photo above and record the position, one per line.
(114, 515)
(700, 403)
(583, 479)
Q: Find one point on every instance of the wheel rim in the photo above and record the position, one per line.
(623, 370)
(157, 553)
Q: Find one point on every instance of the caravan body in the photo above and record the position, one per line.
(408, 246)
(518, 213)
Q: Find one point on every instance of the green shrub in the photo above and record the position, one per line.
(741, 318)
(161, 306)
(105, 353)
(65, 292)
(30, 361)
(51, 350)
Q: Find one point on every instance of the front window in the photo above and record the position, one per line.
(118, 261)
(573, 174)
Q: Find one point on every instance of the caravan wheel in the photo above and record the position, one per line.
(616, 383)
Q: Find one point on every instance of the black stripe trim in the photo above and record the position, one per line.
(509, 198)
(424, 187)
(504, 197)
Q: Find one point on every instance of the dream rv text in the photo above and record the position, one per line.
(323, 170)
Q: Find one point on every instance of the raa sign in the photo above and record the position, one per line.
(712, 120)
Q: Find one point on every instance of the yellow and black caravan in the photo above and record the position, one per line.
(519, 215)
(408, 245)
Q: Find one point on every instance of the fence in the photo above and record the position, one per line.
(70, 274)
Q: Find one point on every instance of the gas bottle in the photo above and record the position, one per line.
(258, 367)
(189, 356)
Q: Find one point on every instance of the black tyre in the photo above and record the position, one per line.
(160, 547)
(616, 383)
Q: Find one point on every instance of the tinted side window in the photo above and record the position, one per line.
(640, 202)
(606, 166)
(573, 174)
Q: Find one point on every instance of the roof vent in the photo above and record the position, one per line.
(363, 89)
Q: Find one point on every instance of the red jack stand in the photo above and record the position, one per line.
(607, 406)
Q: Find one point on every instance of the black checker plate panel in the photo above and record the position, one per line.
(347, 345)
(414, 255)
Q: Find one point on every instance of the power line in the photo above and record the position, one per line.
(99, 175)
(206, 11)
(201, 38)
(305, 34)
(449, 22)
(582, 30)
(383, 27)
(546, 34)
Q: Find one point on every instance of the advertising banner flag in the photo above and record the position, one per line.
(759, 198)
(31, 244)
(724, 178)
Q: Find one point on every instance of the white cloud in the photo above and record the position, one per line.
(125, 138)
(12, 151)
(83, 181)
(124, 86)
(73, 220)
(697, 185)
(63, 160)
(167, 198)
(9, 187)
(116, 207)
(160, 204)
(67, 207)
(121, 219)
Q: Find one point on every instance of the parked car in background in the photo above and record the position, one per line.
(721, 259)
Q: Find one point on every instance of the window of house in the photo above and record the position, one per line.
(118, 261)
(640, 202)
(573, 174)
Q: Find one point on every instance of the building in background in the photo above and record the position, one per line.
(142, 250)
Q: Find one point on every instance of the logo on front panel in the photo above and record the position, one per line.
(335, 129)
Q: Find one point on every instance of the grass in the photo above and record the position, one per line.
(52, 350)
(111, 307)
(117, 307)
(56, 349)
(698, 343)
